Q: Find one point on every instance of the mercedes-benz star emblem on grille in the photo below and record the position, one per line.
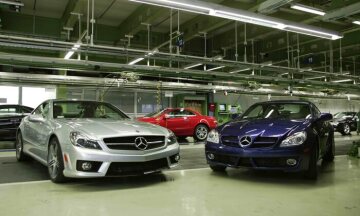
(141, 143)
(245, 141)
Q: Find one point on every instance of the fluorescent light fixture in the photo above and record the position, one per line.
(315, 78)
(193, 65)
(136, 61)
(356, 22)
(202, 7)
(72, 51)
(215, 68)
(312, 32)
(15, 3)
(341, 81)
(267, 63)
(248, 19)
(238, 71)
(308, 9)
(176, 5)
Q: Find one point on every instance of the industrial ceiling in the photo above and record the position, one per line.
(165, 42)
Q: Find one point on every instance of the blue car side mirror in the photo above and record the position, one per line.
(326, 117)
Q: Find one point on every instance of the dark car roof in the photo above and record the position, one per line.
(286, 101)
(14, 105)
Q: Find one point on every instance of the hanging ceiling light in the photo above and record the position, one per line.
(192, 66)
(216, 10)
(136, 61)
(72, 51)
(308, 9)
(215, 68)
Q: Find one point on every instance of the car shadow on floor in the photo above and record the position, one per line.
(285, 179)
(117, 183)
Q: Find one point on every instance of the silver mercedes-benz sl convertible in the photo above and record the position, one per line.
(81, 139)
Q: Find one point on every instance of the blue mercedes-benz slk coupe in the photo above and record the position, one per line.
(279, 135)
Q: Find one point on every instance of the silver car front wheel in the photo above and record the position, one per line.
(55, 162)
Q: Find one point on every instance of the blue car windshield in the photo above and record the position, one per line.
(278, 110)
(87, 109)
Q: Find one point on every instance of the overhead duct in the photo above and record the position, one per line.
(343, 12)
(271, 6)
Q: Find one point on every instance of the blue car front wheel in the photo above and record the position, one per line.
(218, 168)
(312, 172)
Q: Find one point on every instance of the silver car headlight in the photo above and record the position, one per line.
(294, 140)
(213, 136)
(171, 139)
(81, 140)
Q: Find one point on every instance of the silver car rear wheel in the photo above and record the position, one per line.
(19, 145)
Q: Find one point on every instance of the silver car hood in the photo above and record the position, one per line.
(101, 128)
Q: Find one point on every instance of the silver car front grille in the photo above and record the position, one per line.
(129, 143)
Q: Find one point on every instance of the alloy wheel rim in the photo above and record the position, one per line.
(18, 146)
(347, 129)
(53, 163)
(201, 132)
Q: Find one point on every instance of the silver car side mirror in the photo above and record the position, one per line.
(36, 118)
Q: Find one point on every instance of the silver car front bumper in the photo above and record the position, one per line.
(72, 155)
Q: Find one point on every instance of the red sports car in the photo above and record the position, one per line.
(183, 122)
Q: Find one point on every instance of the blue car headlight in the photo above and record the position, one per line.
(80, 140)
(294, 140)
(213, 136)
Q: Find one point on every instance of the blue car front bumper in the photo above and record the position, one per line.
(258, 158)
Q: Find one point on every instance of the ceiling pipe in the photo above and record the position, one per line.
(108, 82)
(49, 44)
(51, 62)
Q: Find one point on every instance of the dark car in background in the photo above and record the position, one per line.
(10, 118)
(345, 122)
(290, 136)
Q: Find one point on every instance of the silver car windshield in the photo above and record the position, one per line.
(86, 109)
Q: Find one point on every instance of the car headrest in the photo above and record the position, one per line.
(58, 111)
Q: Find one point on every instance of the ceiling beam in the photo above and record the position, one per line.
(78, 6)
(143, 14)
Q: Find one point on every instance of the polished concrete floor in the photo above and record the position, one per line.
(193, 192)
(190, 189)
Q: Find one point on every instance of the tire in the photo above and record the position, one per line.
(312, 172)
(19, 146)
(201, 132)
(345, 129)
(55, 162)
(330, 152)
(218, 168)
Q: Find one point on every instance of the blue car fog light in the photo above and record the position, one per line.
(211, 156)
(291, 162)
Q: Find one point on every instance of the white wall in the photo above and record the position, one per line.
(34, 96)
(9, 95)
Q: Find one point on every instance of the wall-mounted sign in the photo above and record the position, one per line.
(3, 100)
(169, 94)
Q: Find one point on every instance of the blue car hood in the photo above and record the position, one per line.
(262, 127)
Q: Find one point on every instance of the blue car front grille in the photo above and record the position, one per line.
(264, 142)
(259, 142)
